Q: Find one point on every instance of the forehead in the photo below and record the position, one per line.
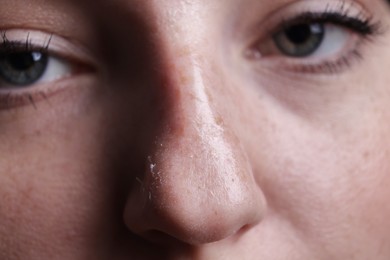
(152, 6)
(67, 15)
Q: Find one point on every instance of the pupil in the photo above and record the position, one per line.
(299, 34)
(21, 61)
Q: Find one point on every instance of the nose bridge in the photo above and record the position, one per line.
(196, 146)
(187, 88)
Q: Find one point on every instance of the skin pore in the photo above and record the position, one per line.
(179, 129)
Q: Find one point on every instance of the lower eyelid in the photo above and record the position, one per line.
(17, 98)
(320, 67)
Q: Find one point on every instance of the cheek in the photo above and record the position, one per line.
(329, 184)
(330, 202)
(52, 181)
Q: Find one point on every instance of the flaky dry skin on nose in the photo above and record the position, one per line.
(198, 185)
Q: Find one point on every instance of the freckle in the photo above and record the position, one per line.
(219, 120)
(184, 51)
(176, 93)
(179, 131)
(366, 155)
(183, 79)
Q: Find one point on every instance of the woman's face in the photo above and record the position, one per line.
(195, 129)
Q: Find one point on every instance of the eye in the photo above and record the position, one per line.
(311, 39)
(20, 68)
(35, 65)
(316, 41)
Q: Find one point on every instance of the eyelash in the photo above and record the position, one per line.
(7, 46)
(359, 24)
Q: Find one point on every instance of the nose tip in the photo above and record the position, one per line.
(198, 186)
(193, 200)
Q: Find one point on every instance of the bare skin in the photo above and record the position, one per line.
(179, 130)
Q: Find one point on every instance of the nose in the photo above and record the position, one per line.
(198, 186)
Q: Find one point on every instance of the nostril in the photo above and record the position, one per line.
(161, 238)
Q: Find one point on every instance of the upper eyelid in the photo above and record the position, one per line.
(52, 43)
(269, 24)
